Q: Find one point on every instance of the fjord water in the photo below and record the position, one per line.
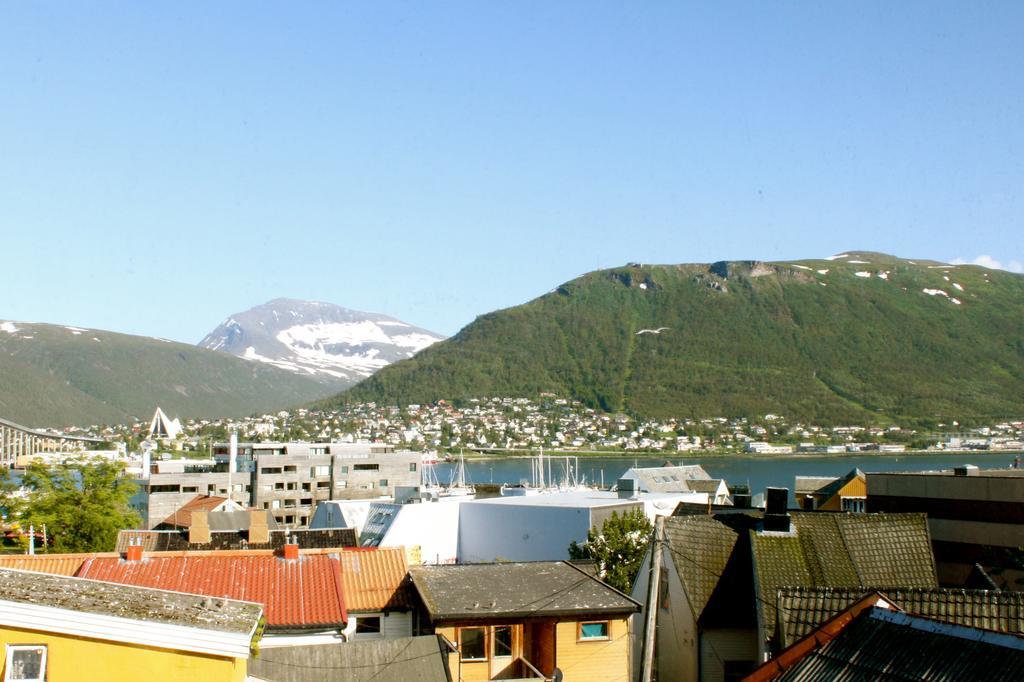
(759, 471)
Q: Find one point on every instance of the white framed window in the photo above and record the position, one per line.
(25, 662)
(854, 504)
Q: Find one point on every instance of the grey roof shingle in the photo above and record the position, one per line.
(405, 659)
(506, 590)
(123, 601)
(841, 550)
(884, 645)
(700, 547)
(802, 609)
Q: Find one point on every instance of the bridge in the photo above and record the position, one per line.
(21, 441)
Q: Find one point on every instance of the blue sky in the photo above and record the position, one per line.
(163, 165)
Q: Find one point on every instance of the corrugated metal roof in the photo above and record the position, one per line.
(296, 594)
(375, 579)
(884, 645)
(406, 659)
(54, 564)
(801, 609)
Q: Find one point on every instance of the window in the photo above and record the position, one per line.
(320, 470)
(366, 467)
(290, 469)
(854, 504)
(26, 662)
(472, 644)
(502, 641)
(593, 630)
(291, 485)
(279, 486)
(306, 486)
(189, 488)
(341, 484)
(383, 483)
(344, 468)
(270, 470)
(368, 625)
(323, 484)
(412, 466)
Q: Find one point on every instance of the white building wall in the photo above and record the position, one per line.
(519, 533)
(427, 529)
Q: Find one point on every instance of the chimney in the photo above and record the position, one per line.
(259, 533)
(199, 529)
(291, 549)
(133, 553)
(776, 512)
(626, 488)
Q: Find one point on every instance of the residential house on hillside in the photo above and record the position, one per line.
(714, 595)
(843, 493)
(59, 628)
(301, 594)
(408, 659)
(678, 479)
(543, 620)
(874, 639)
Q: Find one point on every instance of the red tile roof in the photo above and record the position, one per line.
(298, 594)
(182, 518)
(55, 564)
(375, 579)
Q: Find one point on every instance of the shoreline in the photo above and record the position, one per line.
(621, 454)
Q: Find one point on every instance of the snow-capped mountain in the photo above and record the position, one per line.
(326, 341)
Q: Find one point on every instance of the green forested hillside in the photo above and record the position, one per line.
(859, 338)
(57, 376)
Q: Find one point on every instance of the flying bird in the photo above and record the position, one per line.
(652, 331)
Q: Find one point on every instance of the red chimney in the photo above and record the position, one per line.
(291, 551)
(134, 553)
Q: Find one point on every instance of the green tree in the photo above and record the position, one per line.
(618, 548)
(82, 504)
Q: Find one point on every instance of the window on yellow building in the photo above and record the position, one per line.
(26, 663)
(502, 640)
(593, 630)
(473, 644)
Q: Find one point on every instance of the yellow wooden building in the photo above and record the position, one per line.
(531, 620)
(63, 629)
(845, 493)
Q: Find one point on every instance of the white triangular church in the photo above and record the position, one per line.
(162, 427)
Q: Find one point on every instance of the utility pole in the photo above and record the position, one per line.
(653, 592)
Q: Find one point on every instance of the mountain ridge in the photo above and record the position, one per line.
(59, 375)
(859, 336)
